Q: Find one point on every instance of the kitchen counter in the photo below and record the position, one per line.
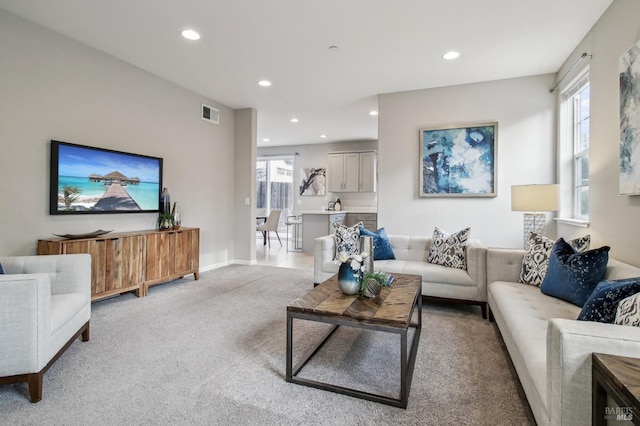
(351, 210)
(318, 223)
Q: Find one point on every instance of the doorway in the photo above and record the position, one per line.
(274, 187)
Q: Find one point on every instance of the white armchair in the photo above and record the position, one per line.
(45, 305)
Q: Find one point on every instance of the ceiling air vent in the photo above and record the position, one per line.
(210, 114)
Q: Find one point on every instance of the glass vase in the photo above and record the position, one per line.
(366, 246)
(348, 279)
(177, 216)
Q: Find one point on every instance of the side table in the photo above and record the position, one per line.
(618, 378)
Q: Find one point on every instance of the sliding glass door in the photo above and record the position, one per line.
(274, 186)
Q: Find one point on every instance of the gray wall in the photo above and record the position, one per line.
(613, 218)
(54, 88)
(525, 112)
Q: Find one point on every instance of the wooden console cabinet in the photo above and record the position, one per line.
(133, 261)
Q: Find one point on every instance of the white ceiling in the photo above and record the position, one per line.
(383, 46)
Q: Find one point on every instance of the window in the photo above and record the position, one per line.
(576, 140)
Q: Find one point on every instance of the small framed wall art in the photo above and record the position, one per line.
(458, 160)
(313, 181)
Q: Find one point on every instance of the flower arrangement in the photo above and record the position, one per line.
(356, 261)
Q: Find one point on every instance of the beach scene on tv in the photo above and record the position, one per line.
(95, 180)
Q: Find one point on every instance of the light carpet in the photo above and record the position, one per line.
(212, 352)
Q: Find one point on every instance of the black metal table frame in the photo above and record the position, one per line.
(406, 363)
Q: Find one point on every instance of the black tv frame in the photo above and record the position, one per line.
(125, 205)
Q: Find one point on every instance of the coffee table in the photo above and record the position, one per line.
(391, 312)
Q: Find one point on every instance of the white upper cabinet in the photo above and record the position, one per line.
(352, 172)
(367, 172)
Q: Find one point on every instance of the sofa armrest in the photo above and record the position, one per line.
(324, 250)
(25, 306)
(477, 266)
(504, 264)
(570, 344)
(68, 273)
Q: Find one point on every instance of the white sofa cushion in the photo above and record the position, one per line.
(428, 271)
(525, 311)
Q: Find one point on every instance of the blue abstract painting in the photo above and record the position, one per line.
(630, 121)
(458, 161)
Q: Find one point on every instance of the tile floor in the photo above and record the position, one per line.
(279, 256)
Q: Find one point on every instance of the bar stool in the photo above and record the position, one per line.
(296, 223)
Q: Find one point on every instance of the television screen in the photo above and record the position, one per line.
(85, 180)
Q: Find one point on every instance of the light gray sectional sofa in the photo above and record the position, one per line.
(550, 349)
(438, 282)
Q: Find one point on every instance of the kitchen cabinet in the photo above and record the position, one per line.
(369, 220)
(367, 172)
(351, 172)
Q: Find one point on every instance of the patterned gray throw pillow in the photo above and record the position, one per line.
(628, 312)
(347, 239)
(536, 256)
(449, 249)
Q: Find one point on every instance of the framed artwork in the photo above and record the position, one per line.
(630, 121)
(458, 161)
(313, 181)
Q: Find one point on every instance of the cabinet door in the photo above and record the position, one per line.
(184, 257)
(99, 265)
(160, 260)
(125, 263)
(367, 172)
(351, 172)
(335, 175)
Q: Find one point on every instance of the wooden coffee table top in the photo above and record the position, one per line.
(623, 373)
(392, 308)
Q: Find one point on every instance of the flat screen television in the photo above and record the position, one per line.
(89, 180)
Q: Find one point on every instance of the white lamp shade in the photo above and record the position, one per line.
(534, 198)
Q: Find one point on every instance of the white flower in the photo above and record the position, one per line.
(355, 265)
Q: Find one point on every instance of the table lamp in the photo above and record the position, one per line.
(534, 199)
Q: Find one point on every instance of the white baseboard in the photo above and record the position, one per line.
(227, 263)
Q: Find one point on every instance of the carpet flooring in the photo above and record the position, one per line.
(212, 352)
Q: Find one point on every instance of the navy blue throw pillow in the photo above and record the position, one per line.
(573, 275)
(381, 246)
(1, 270)
(603, 302)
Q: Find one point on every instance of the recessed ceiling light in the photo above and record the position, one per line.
(450, 55)
(323, 136)
(264, 83)
(373, 112)
(190, 35)
(266, 140)
(333, 47)
(294, 120)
